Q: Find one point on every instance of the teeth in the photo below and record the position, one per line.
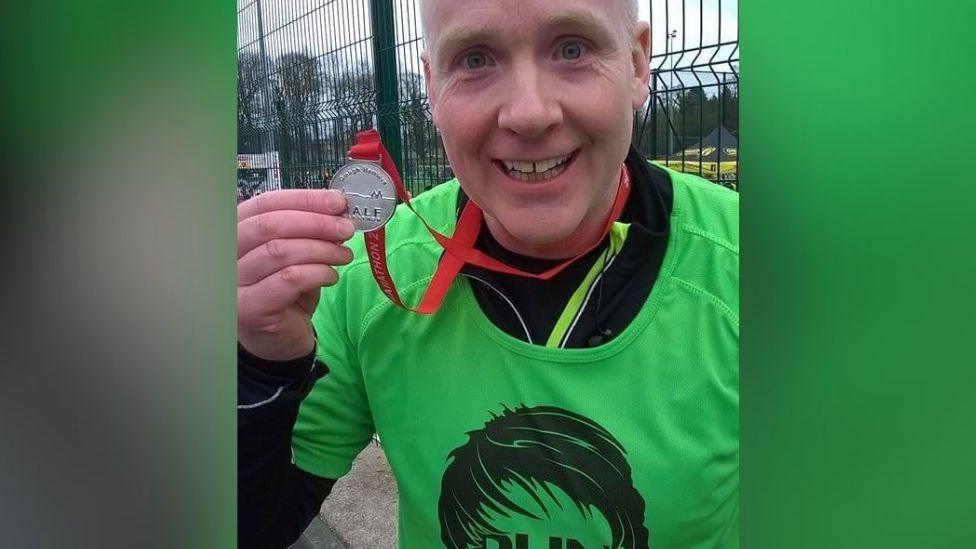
(518, 167)
(538, 176)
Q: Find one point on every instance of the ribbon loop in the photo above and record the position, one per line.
(459, 248)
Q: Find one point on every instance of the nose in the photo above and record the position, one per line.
(530, 107)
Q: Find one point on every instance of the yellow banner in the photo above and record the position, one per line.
(710, 170)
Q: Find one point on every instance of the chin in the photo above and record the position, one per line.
(541, 236)
(539, 233)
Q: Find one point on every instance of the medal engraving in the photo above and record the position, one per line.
(369, 192)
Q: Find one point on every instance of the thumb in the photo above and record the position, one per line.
(309, 300)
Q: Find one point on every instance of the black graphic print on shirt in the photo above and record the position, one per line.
(540, 477)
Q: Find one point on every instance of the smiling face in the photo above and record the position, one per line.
(534, 100)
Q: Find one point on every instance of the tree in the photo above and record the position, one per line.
(418, 131)
(730, 107)
(250, 73)
(350, 90)
(296, 97)
(694, 112)
(349, 104)
(297, 86)
(679, 118)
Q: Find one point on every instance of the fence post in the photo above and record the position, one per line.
(268, 141)
(386, 75)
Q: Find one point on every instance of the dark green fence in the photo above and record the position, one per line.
(691, 122)
(311, 74)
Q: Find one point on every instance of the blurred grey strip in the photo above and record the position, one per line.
(319, 536)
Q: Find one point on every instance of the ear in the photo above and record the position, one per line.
(641, 55)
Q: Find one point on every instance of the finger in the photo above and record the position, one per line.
(275, 255)
(323, 201)
(255, 231)
(309, 301)
(281, 290)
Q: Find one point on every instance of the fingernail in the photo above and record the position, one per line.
(338, 200)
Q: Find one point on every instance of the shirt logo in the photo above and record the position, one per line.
(540, 477)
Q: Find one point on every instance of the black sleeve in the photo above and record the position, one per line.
(276, 500)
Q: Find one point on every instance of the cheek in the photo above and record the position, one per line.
(602, 105)
(605, 117)
(464, 126)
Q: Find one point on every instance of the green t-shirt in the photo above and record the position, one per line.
(498, 443)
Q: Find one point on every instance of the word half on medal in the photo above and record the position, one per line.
(370, 194)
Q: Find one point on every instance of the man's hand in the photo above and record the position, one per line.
(287, 244)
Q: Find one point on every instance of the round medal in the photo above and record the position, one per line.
(370, 194)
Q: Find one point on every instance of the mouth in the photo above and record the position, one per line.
(528, 171)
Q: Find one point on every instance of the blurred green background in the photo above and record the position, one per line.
(857, 269)
(117, 336)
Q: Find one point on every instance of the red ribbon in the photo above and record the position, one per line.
(459, 248)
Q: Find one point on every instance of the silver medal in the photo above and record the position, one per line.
(369, 191)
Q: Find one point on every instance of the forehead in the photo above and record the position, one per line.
(451, 18)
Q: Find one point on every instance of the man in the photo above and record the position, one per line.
(598, 408)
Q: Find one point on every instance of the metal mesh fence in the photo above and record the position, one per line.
(312, 73)
(691, 122)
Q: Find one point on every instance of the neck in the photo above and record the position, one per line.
(587, 234)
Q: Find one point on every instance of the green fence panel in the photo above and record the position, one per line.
(311, 74)
(691, 121)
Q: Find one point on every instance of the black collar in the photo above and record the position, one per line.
(648, 210)
(527, 308)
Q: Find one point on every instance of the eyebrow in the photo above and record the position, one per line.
(575, 18)
(570, 19)
(462, 35)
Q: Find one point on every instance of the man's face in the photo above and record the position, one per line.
(535, 101)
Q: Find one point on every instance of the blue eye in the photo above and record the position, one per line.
(572, 50)
(474, 61)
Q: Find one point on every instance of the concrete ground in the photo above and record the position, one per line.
(361, 512)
